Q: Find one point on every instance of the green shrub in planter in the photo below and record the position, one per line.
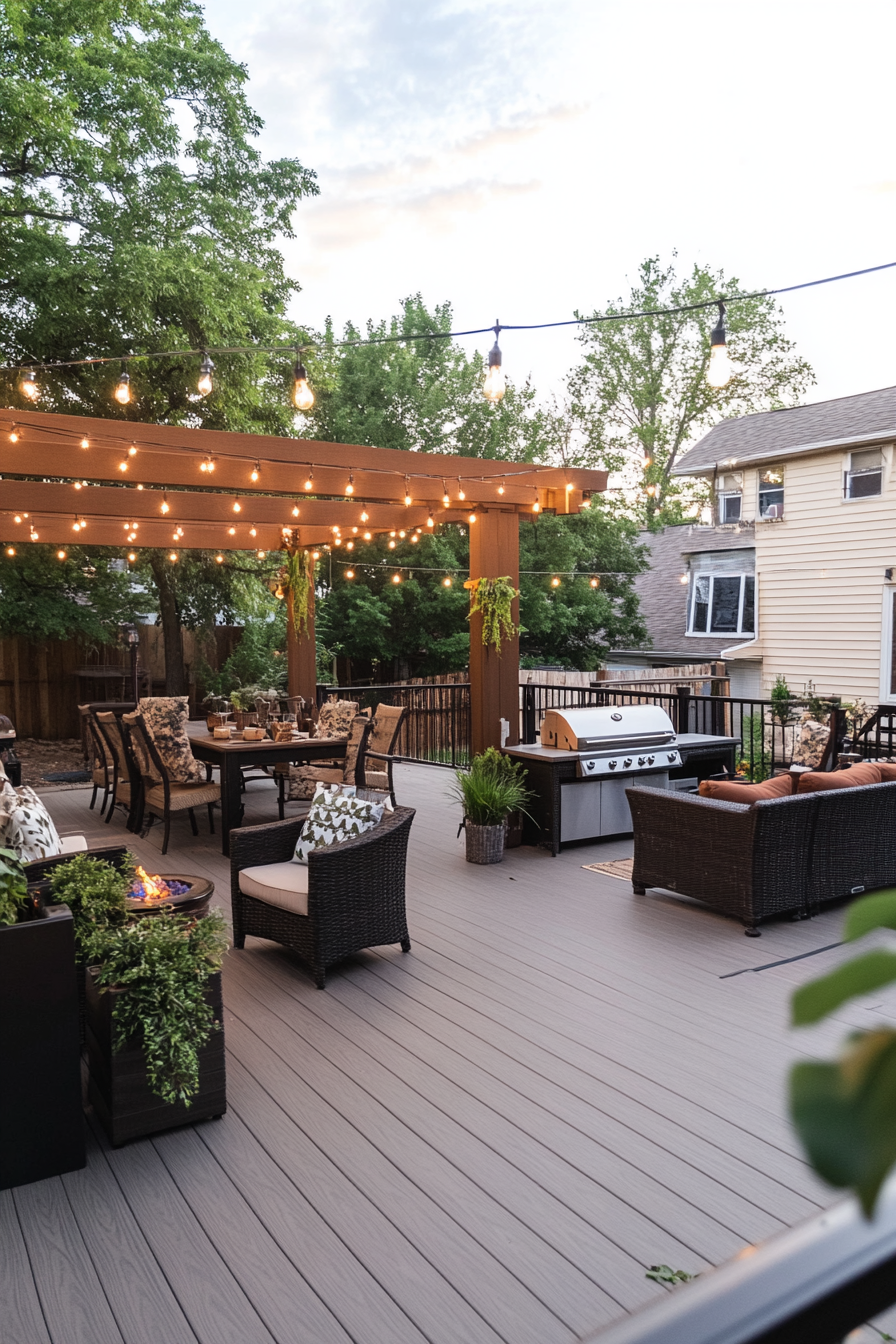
(95, 891)
(164, 964)
(13, 887)
(491, 789)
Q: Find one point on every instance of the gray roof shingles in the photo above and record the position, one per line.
(769, 434)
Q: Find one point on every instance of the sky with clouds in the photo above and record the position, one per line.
(520, 158)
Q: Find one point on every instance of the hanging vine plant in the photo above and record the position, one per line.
(493, 599)
(297, 577)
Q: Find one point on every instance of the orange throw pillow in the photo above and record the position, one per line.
(887, 770)
(729, 792)
(814, 780)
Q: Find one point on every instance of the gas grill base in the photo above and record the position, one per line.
(559, 816)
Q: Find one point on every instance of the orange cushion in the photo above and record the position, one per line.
(729, 792)
(813, 780)
(887, 770)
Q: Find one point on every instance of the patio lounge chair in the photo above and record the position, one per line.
(349, 896)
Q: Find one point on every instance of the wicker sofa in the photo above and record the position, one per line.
(779, 856)
(354, 894)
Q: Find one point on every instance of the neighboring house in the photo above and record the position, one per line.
(806, 501)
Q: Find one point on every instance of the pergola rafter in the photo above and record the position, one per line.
(124, 467)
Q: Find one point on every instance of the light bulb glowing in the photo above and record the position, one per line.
(684, 578)
(430, 522)
(407, 491)
(123, 466)
(402, 535)
(165, 506)
(295, 510)
(28, 385)
(391, 545)
(132, 556)
(79, 485)
(122, 391)
(301, 393)
(501, 488)
(309, 482)
(446, 582)
(315, 555)
(472, 518)
(237, 506)
(10, 550)
(253, 531)
(17, 518)
(446, 498)
(595, 583)
(206, 369)
(132, 451)
(85, 443)
(396, 578)
(536, 507)
(219, 559)
(76, 526)
(569, 487)
(350, 484)
(349, 545)
(60, 555)
(32, 535)
(13, 435)
(349, 573)
(495, 386)
(364, 515)
(368, 536)
(461, 494)
(255, 472)
(207, 465)
(719, 372)
(173, 557)
(414, 537)
(231, 531)
(261, 554)
(555, 582)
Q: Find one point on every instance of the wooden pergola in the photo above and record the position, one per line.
(132, 484)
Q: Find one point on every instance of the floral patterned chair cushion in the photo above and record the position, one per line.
(335, 718)
(26, 826)
(165, 717)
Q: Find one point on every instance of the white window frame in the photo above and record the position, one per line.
(767, 485)
(848, 475)
(712, 575)
(888, 633)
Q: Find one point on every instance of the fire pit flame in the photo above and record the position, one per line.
(156, 888)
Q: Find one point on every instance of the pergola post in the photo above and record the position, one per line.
(494, 678)
(301, 651)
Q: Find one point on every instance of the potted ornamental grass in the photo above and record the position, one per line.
(490, 792)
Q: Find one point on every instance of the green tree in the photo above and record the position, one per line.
(86, 596)
(640, 397)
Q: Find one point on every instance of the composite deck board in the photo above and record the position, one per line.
(486, 1140)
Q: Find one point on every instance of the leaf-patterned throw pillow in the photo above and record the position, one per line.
(335, 817)
(166, 718)
(28, 829)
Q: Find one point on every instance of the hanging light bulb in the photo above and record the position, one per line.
(461, 494)
(501, 486)
(28, 385)
(301, 393)
(719, 372)
(446, 498)
(13, 435)
(253, 531)
(430, 522)
(391, 545)
(309, 482)
(349, 545)
(60, 555)
(79, 485)
(295, 510)
(414, 536)
(10, 550)
(684, 578)
(495, 386)
(139, 486)
(555, 582)
(17, 518)
(349, 573)
(33, 534)
(396, 578)
(173, 557)
(237, 506)
(255, 472)
(76, 526)
(208, 464)
(85, 442)
(132, 556)
(364, 515)
(402, 535)
(165, 506)
(231, 531)
(595, 583)
(337, 541)
(219, 559)
(368, 536)
(472, 518)
(206, 369)
(536, 507)
(315, 555)
(122, 391)
(407, 491)
(350, 485)
(132, 451)
(261, 554)
(446, 582)
(355, 531)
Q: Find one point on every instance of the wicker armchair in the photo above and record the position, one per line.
(353, 897)
(162, 795)
(387, 721)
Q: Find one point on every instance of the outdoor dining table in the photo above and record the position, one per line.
(234, 756)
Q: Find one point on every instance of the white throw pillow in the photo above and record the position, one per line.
(335, 817)
(28, 828)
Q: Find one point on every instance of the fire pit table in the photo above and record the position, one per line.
(178, 892)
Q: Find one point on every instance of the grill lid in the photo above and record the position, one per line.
(607, 727)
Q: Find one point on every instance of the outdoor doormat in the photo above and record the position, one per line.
(67, 777)
(615, 868)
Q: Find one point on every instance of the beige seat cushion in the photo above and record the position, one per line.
(183, 796)
(281, 884)
(73, 844)
(378, 780)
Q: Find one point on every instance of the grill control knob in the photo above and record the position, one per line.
(672, 757)
(650, 760)
(627, 762)
(613, 764)
(640, 760)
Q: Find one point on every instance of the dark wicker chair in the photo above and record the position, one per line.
(355, 897)
(780, 856)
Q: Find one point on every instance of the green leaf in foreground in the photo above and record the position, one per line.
(877, 911)
(820, 997)
(669, 1277)
(844, 1113)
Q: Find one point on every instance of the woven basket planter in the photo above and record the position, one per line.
(485, 844)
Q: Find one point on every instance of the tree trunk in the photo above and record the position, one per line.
(172, 632)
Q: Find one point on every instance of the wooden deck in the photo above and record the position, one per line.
(487, 1140)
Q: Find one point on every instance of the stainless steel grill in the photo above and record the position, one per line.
(614, 739)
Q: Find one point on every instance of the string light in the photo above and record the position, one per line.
(315, 555)
(255, 472)
(472, 518)
(13, 435)
(301, 393)
(396, 578)
(261, 554)
(446, 498)
(495, 385)
(349, 545)
(446, 582)
(18, 518)
(231, 531)
(430, 522)
(237, 506)
(85, 442)
(173, 557)
(391, 545)
(536, 507)
(76, 526)
(461, 494)
(10, 550)
(368, 536)
(33, 534)
(310, 479)
(253, 531)
(595, 583)
(60, 555)
(350, 486)
(123, 465)
(295, 510)
(501, 486)
(132, 556)
(684, 578)
(569, 487)
(132, 451)
(414, 536)
(206, 369)
(719, 371)
(28, 385)
(407, 491)
(364, 515)
(555, 582)
(122, 391)
(219, 559)
(208, 464)
(349, 573)
(165, 506)
(402, 535)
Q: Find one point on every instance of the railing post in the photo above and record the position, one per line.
(683, 708)
(528, 724)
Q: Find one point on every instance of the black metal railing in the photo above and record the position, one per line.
(770, 732)
(437, 728)
(876, 737)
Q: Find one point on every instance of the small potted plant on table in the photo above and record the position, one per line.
(489, 792)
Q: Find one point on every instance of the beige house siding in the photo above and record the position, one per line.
(820, 578)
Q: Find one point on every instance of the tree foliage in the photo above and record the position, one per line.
(85, 596)
(641, 393)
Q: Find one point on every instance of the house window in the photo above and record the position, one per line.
(865, 474)
(723, 604)
(730, 488)
(771, 493)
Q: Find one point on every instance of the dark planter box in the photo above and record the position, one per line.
(41, 1117)
(119, 1091)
